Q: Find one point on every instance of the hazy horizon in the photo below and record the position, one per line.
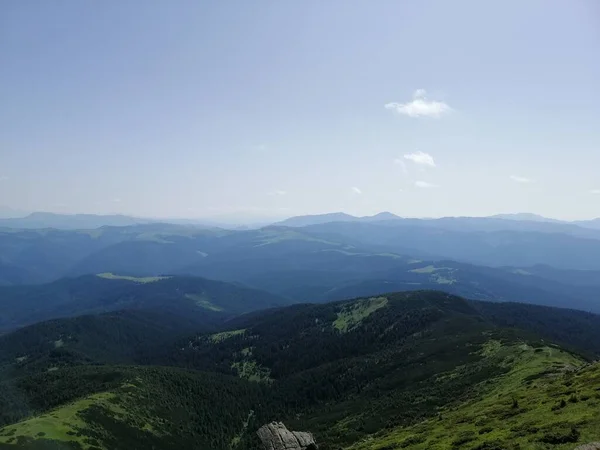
(241, 219)
(266, 110)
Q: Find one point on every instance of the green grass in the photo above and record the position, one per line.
(440, 279)
(112, 276)
(61, 424)
(520, 272)
(236, 440)
(389, 255)
(252, 371)
(351, 315)
(246, 352)
(344, 252)
(276, 236)
(219, 337)
(548, 400)
(153, 237)
(426, 269)
(154, 407)
(435, 275)
(203, 301)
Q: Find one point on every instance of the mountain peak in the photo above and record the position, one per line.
(385, 215)
(317, 219)
(524, 217)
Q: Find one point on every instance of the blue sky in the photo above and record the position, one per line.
(270, 109)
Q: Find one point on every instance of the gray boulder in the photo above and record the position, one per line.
(275, 436)
(590, 446)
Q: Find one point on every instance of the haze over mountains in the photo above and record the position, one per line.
(140, 335)
(483, 258)
(18, 219)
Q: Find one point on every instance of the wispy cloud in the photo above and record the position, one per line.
(400, 162)
(260, 147)
(278, 193)
(420, 106)
(595, 191)
(116, 200)
(3, 178)
(425, 185)
(519, 179)
(356, 190)
(421, 158)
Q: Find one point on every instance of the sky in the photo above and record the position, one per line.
(268, 109)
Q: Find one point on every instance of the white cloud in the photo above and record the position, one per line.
(420, 106)
(278, 192)
(402, 164)
(116, 200)
(260, 147)
(356, 190)
(519, 179)
(3, 178)
(425, 185)
(420, 157)
(595, 191)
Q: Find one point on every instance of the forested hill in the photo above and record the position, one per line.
(398, 370)
(359, 367)
(192, 297)
(119, 337)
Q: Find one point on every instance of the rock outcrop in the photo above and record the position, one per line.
(590, 446)
(275, 436)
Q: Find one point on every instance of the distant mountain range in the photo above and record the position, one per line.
(319, 219)
(122, 337)
(11, 218)
(474, 258)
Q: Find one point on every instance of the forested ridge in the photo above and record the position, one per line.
(194, 298)
(343, 370)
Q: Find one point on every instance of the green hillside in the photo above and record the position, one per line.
(130, 408)
(408, 370)
(120, 337)
(190, 297)
(547, 399)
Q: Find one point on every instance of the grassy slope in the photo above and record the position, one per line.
(422, 370)
(548, 400)
(62, 424)
(353, 314)
(112, 276)
(152, 407)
